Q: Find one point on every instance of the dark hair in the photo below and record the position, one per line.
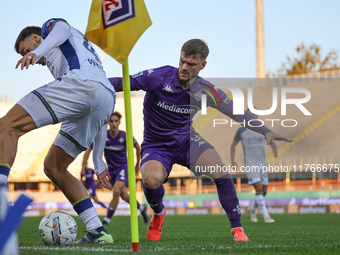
(196, 46)
(27, 31)
(115, 113)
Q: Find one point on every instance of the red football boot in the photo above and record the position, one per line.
(154, 231)
(239, 235)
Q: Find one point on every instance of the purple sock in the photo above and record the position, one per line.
(110, 213)
(229, 201)
(155, 198)
(138, 205)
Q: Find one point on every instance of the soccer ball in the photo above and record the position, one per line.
(58, 228)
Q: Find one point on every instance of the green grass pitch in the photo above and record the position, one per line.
(204, 234)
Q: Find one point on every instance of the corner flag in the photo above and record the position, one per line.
(116, 25)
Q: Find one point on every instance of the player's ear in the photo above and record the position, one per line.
(203, 64)
(36, 38)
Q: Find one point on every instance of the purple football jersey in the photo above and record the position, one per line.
(115, 151)
(169, 109)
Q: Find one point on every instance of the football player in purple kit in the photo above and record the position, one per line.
(80, 97)
(115, 155)
(91, 185)
(169, 107)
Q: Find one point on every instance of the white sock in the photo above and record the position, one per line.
(90, 219)
(259, 198)
(254, 206)
(142, 207)
(107, 219)
(3, 179)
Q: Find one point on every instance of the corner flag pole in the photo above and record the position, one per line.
(130, 158)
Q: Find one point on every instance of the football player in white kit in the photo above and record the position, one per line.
(254, 158)
(81, 97)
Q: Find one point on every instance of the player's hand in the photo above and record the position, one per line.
(137, 169)
(273, 136)
(25, 61)
(83, 170)
(275, 154)
(104, 178)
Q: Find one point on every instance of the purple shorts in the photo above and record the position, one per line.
(119, 175)
(185, 155)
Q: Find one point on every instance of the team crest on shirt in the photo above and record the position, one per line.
(117, 11)
(121, 140)
(198, 96)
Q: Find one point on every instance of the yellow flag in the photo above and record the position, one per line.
(116, 25)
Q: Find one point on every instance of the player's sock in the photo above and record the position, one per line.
(88, 214)
(229, 201)
(155, 198)
(109, 214)
(4, 172)
(261, 204)
(254, 206)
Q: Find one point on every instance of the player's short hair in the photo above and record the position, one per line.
(27, 31)
(196, 46)
(115, 113)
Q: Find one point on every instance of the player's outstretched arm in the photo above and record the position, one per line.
(273, 136)
(273, 145)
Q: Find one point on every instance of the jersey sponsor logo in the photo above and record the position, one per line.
(137, 74)
(185, 109)
(117, 11)
(168, 88)
(115, 147)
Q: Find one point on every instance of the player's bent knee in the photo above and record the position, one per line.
(152, 183)
(51, 171)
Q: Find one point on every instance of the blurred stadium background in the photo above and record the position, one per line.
(316, 141)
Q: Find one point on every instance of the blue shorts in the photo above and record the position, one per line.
(184, 155)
